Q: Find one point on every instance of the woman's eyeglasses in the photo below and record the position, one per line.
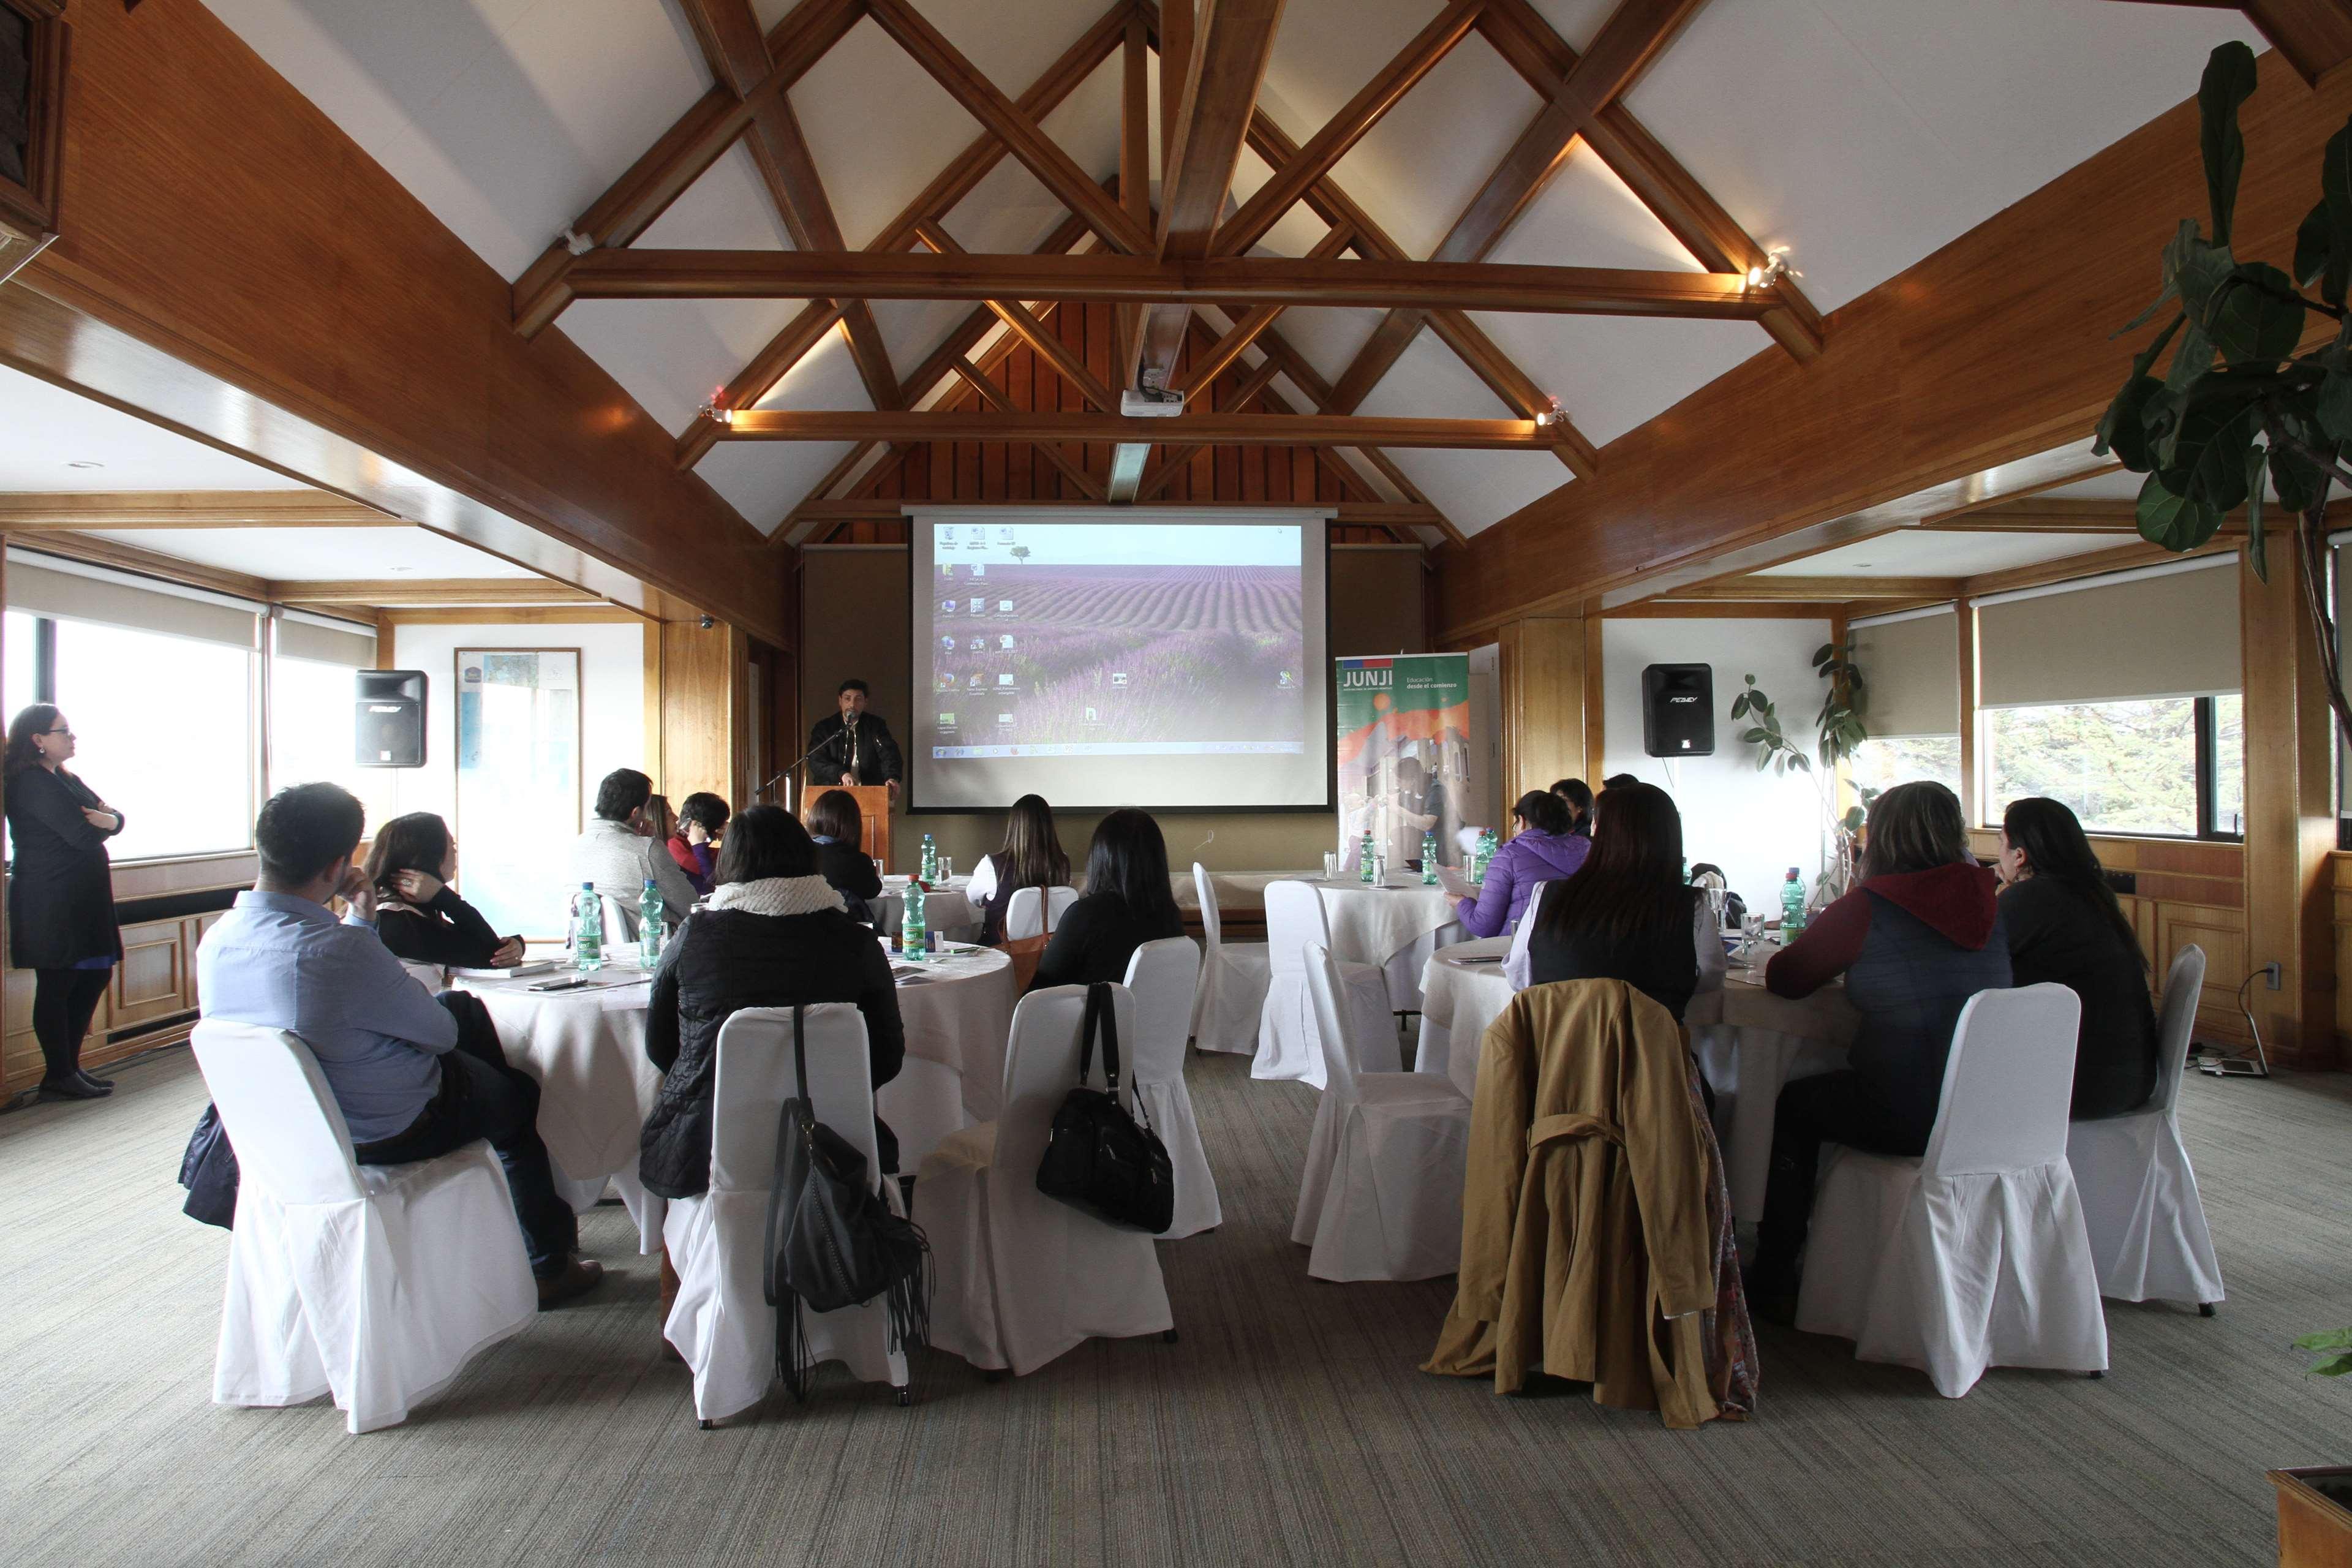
(60, 729)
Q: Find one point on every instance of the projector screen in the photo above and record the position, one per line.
(1105, 658)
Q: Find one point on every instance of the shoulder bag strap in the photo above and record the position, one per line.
(1099, 1002)
(1087, 1034)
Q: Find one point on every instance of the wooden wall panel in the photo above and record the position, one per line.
(706, 712)
(1543, 694)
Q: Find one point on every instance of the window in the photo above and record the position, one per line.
(164, 728)
(2155, 765)
(1880, 764)
(311, 733)
(21, 655)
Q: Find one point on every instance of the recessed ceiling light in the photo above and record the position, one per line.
(397, 569)
(85, 463)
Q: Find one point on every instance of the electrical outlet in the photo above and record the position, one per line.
(2272, 978)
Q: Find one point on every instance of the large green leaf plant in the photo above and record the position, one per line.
(2237, 407)
(1838, 728)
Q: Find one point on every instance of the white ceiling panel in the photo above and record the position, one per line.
(45, 430)
(827, 378)
(1427, 157)
(1576, 21)
(1612, 372)
(765, 480)
(879, 128)
(1086, 123)
(2121, 485)
(1008, 211)
(1865, 134)
(1327, 336)
(1918, 552)
(317, 554)
(670, 354)
(1474, 489)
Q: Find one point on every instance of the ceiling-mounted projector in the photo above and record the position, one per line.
(1148, 404)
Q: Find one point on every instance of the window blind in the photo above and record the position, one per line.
(2167, 631)
(325, 640)
(1910, 672)
(72, 591)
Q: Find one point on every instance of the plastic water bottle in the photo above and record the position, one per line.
(1482, 855)
(1429, 859)
(587, 929)
(1364, 860)
(651, 927)
(930, 864)
(912, 938)
(1792, 905)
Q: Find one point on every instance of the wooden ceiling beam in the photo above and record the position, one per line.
(426, 591)
(1212, 429)
(1022, 134)
(31, 512)
(1030, 329)
(1629, 42)
(2091, 563)
(630, 204)
(1134, 168)
(1295, 176)
(738, 56)
(1759, 589)
(1403, 286)
(995, 397)
(1220, 356)
(1531, 46)
(2314, 37)
(1172, 463)
(954, 183)
(153, 563)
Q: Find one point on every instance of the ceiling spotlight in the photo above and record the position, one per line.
(715, 409)
(1773, 269)
(1552, 413)
(84, 463)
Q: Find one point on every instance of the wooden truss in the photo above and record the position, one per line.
(1160, 269)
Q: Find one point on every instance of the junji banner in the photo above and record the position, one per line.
(1403, 754)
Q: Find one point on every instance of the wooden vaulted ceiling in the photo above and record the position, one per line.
(1176, 297)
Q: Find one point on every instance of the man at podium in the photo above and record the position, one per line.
(854, 746)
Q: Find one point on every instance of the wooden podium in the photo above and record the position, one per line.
(873, 809)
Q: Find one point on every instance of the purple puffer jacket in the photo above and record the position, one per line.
(1511, 877)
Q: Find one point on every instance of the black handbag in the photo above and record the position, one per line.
(1098, 1158)
(832, 1242)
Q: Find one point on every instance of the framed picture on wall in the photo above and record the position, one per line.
(519, 738)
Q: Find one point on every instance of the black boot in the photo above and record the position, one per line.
(93, 1079)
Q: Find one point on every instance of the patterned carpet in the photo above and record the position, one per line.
(1290, 1426)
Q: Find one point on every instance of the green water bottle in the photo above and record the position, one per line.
(930, 864)
(1364, 862)
(1792, 906)
(912, 938)
(1429, 859)
(652, 926)
(587, 929)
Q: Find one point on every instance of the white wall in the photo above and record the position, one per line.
(1755, 826)
(612, 697)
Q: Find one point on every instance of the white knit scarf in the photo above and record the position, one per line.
(777, 896)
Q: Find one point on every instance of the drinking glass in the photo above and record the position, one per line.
(877, 867)
(947, 868)
(1330, 865)
(1381, 869)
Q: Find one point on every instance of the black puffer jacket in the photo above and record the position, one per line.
(729, 959)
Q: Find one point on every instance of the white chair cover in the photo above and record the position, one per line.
(1289, 1041)
(1023, 917)
(374, 1283)
(1516, 964)
(1021, 1277)
(2148, 1236)
(721, 1322)
(1232, 980)
(1381, 1195)
(1973, 1255)
(620, 920)
(923, 1105)
(432, 976)
(1163, 975)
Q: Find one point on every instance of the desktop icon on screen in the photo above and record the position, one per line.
(946, 536)
(978, 643)
(1003, 642)
(948, 643)
(946, 680)
(1119, 679)
(947, 721)
(1003, 536)
(978, 606)
(1094, 716)
(975, 682)
(1003, 607)
(947, 606)
(1005, 679)
(1004, 718)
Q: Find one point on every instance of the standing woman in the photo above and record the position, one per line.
(60, 895)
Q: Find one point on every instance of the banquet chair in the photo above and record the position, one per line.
(922, 1105)
(374, 1283)
(1023, 1278)
(1024, 918)
(1974, 1254)
(1380, 1197)
(2148, 1237)
(1289, 1041)
(1232, 980)
(1516, 964)
(620, 920)
(721, 1322)
(1163, 975)
(432, 976)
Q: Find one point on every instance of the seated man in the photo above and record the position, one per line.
(413, 1081)
(618, 858)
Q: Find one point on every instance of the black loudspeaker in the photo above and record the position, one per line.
(1678, 710)
(391, 718)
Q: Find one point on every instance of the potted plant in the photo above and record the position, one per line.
(2314, 1501)
(1838, 728)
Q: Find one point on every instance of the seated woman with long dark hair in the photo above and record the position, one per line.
(1031, 858)
(418, 915)
(2064, 923)
(1915, 938)
(838, 829)
(1627, 915)
(1128, 902)
(773, 935)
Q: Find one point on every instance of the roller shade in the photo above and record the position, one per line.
(69, 590)
(325, 641)
(1911, 674)
(2170, 631)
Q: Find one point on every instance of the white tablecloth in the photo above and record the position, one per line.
(957, 1011)
(1747, 1041)
(587, 1050)
(1398, 925)
(948, 911)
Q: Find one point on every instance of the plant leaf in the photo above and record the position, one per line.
(2257, 464)
(2229, 81)
(2333, 407)
(2172, 520)
(2326, 1340)
(2252, 317)
(2312, 247)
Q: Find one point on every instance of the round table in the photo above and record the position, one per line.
(1399, 925)
(948, 910)
(957, 1012)
(587, 1050)
(1748, 1043)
